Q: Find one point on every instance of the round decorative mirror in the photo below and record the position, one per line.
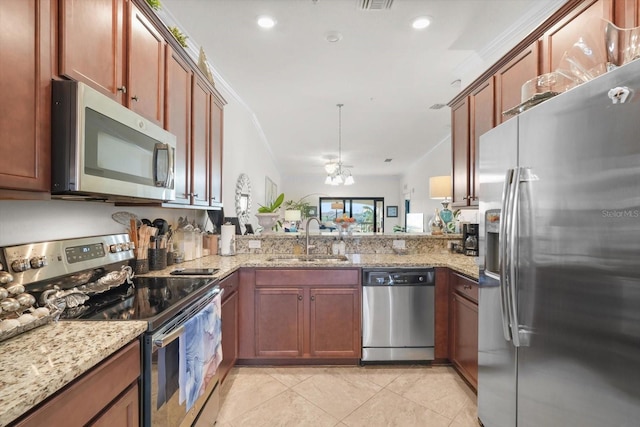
(243, 198)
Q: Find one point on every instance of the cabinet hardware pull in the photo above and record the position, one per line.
(194, 194)
(213, 198)
(122, 89)
(299, 297)
(134, 98)
(313, 298)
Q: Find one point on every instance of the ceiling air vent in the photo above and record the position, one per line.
(374, 4)
(437, 106)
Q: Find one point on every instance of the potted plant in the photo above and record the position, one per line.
(300, 205)
(269, 216)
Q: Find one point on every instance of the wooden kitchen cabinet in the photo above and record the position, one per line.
(146, 58)
(25, 83)
(482, 119)
(200, 142)
(441, 320)
(230, 285)
(463, 327)
(215, 155)
(178, 120)
(300, 314)
(460, 153)
(108, 394)
(127, 69)
(510, 78)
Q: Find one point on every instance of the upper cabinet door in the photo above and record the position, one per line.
(460, 153)
(200, 143)
(178, 120)
(91, 44)
(25, 83)
(583, 23)
(215, 160)
(511, 77)
(145, 92)
(482, 103)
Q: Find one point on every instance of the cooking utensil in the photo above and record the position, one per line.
(162, 226)
(125, 218)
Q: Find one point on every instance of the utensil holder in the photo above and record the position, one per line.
(157, 259)
(170, 259)
(140, 266)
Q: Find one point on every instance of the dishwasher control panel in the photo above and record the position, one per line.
(390, 277)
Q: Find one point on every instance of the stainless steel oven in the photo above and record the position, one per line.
(182, 312)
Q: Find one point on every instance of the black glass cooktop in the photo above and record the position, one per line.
(154, 299)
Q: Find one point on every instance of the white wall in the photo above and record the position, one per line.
(245, 151)
(296, 187)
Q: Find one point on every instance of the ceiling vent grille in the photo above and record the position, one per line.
(437, 106)
(374, 4)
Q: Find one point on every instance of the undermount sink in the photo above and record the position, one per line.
(308, 258)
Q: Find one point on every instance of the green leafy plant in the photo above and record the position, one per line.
(154, 4)
(182, 39)
(273, 206)
(300, 205)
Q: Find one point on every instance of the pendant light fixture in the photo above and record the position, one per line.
(336, 174)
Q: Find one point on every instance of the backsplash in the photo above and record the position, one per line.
(285, 243)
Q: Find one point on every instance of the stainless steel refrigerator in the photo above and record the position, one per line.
(559, 303)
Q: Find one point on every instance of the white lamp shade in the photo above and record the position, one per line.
(440, 187)
(292, 215)
(349, 180)
(331, 168)
(328, 180)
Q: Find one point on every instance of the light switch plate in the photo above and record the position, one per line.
(399, 244)
(255, 244)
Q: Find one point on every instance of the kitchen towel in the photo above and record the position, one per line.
(200, 352)
(228, 240)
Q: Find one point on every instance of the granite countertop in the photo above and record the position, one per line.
(228, 264)
(37, 363)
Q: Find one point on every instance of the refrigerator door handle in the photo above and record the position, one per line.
(512, 246)
(504, 219)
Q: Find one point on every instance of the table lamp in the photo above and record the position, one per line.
(440, 188)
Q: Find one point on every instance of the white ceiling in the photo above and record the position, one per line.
(385, 73)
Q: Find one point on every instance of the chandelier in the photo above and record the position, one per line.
(336, 173)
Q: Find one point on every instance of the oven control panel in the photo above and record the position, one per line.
(35, 262)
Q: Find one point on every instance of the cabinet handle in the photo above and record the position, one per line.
(122, 89)
(134, 98)
(213, 198)
(466, 198)
(467, 286)
(194, 194)
(313, 298)
(299, 297)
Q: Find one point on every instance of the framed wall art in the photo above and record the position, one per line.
(392, 211)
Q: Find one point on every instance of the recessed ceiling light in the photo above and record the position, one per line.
(421, 22)
(266, 21)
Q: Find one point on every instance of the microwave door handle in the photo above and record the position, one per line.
(512, 248)
(161, 165)
(502, 251)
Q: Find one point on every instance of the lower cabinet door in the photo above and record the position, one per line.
(464, 351)
(279, 322)
(229, 334)
(123, 412)
(335, 323)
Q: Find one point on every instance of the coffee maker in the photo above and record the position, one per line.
(470, 239)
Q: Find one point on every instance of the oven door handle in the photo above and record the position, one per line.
(174, 330)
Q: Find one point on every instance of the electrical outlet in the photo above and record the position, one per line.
(255, 244)
(399, 244)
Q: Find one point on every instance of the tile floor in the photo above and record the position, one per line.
(346, 396)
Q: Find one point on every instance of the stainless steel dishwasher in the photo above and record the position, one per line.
(398, 314)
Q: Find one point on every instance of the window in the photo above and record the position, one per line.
(368, 212)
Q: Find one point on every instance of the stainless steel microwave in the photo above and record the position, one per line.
(102, 150)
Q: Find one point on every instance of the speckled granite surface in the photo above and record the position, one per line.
(37, 363)
(460, 263)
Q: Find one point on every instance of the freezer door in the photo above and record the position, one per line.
(578, 276)
(496, 355)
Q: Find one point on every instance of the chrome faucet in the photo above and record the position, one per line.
(306, 230)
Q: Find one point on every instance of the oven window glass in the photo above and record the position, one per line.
(113, 150)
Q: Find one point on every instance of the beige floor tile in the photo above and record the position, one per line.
(436, 389)
(292, 375)
(468, 415)
(334, 394)
(246, 390)
(387, 409)
(287, 409)
(381, 375)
